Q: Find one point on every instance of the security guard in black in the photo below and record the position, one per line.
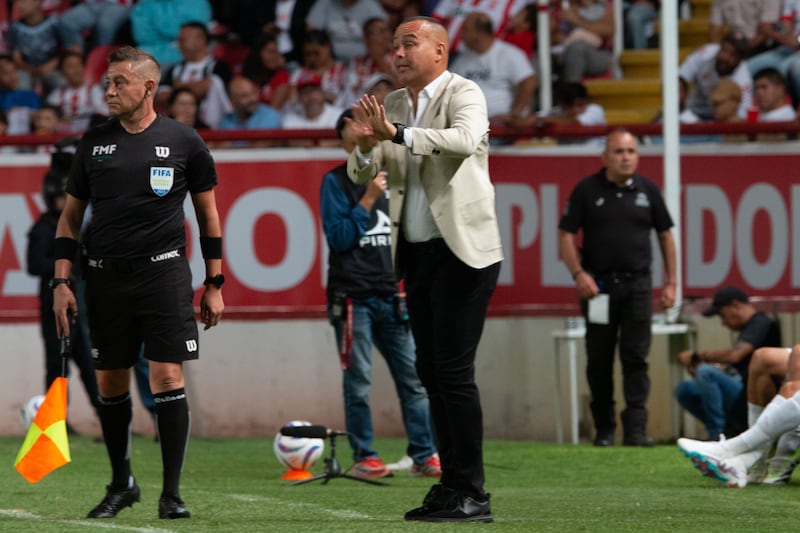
(617, 223)
(617, 209)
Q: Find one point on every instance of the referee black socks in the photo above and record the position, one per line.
(115, 418)
(172, 412)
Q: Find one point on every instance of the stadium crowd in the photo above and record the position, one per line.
(286, 64)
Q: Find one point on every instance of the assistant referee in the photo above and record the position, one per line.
(135, 171)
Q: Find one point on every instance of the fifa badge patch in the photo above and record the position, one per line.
(161, 179)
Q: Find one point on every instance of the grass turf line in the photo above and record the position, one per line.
(233, 485)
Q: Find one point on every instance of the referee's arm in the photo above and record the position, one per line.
(69, 227)
(211, 304)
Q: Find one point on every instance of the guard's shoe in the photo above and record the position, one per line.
(172, 507)
(370, 468)
(638, 439)
(735, 470)
(603, 439)
(439, 497)
(463, 509)
(115, 501)
(706, 457)
(432, 467)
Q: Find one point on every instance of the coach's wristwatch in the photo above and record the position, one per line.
(217, 281)
(399, 137)
(55, 282)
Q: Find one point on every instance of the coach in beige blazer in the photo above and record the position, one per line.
(453, 140)
(431, 138)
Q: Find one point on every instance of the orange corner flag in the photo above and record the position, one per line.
(46, 446)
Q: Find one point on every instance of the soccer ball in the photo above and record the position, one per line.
(28, 411)
(297, 453)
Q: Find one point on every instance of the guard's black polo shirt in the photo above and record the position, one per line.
(616, 223)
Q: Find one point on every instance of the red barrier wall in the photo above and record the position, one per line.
(738, 218)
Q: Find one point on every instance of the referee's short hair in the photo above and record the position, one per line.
(137, 57)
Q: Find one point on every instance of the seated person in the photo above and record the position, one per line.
(248, 113)
(704, 68)
(768, 370)
(35, 42)
(18, 104)
(717, 395)
(501, 70)
(266, 66)
(314, 112)
(730, 460)
(573, 108)
(200, 72)
(581, 47)
(184, 107)
(79, 99)
(769, 96)
(101, 17)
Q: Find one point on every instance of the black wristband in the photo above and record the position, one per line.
(55, 282)
(695, 357)
(399, 137)
(66, 248)
(577, 273)
(211, 247)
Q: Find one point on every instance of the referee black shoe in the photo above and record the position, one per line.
(172, 507)
(115, 501)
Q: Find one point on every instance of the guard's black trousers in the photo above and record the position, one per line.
(630, 317)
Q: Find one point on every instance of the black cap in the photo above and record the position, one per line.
(725, 296)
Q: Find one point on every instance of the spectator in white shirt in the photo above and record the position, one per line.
(314, 112)
(79, 99)
(705, 67)
(770, 97)
(501, 70)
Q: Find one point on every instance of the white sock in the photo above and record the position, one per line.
(753, 412)
(778, 417)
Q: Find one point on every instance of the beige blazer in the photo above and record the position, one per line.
(454, 141)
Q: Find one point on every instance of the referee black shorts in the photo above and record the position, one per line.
(137, 303)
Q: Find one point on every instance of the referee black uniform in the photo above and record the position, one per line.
(135, 171)
(617, 220)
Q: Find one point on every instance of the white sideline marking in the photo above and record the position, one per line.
(338, 513)
(24, 515)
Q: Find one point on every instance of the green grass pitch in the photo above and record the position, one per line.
(233, 485)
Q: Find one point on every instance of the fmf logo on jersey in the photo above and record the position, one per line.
(162, 151)
(106, 149)
(161, 179)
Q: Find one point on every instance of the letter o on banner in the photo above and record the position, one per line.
(241, 244)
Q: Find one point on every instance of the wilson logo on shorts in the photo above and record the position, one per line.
(191, 345)
(162, 151)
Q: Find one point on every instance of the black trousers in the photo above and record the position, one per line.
(447, 302)
(630, 316)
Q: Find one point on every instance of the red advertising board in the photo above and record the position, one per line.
(738, 226)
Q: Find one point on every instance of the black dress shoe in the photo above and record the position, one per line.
(438, 498)
(172, 507)
(465, 509)
(115, 501)
(639, 439)
(603, 440)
